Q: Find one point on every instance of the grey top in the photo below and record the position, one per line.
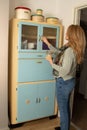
(68, 68)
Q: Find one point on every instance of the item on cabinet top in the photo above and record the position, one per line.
(22, 13)
(37, 18)
(31, 45)
(52, 20)
(39, 11)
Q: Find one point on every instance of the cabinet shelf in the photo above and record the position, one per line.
(29, 37)
(51, 37)
(34, 37)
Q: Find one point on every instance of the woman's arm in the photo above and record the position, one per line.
(44, 39)
(66, 65)
(52, 49)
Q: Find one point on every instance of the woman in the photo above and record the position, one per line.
(66, 68)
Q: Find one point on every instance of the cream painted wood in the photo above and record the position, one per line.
(13, 69)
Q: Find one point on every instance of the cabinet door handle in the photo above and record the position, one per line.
(27, 101)
(39, 100)
(39, 55)
(36, 100)
(39, 62)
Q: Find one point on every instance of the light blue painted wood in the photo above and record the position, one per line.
(47, 99)
(34, 70)
(32, 55)
(25, 94)
(32, 103)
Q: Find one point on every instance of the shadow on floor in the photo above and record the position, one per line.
(79, 115)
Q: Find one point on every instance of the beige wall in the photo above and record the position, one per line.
(66, 11)
(4, 13)
(48, 6)
(57, 8)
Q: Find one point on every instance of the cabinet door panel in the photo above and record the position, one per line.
(34, 70)
(52, 34)
(46, 99)
(26, 102)
(35, 101)
(28, 34)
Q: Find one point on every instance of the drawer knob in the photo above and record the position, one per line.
(27, 101)
(46, 98)
(39, 55)
(39, 62)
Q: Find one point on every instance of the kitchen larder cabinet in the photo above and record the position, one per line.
(31, 82)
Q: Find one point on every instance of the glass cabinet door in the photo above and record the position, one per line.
(52, 35)
(28, 37)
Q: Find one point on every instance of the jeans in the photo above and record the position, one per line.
(63, 91)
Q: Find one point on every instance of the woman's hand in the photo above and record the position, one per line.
(49, 58)
(44, 39)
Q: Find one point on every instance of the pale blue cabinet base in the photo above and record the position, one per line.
(35, 101)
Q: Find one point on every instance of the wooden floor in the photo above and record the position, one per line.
(41, 124)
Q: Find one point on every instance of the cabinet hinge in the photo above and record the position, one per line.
(16, 118)
(16, 89)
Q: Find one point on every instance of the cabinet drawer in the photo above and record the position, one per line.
(31, 55)
(35, 101)
(34, 70)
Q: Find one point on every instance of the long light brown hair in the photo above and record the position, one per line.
(76, 40)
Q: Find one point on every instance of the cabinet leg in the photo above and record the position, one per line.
(52, 117)
(15, 125)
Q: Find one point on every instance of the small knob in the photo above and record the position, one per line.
(27, 101)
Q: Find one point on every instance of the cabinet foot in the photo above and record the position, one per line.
(15, 125)
(52, 117)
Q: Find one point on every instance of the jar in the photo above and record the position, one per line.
(22, 13)
(39, 11)
(52, 20)
(37, 18)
